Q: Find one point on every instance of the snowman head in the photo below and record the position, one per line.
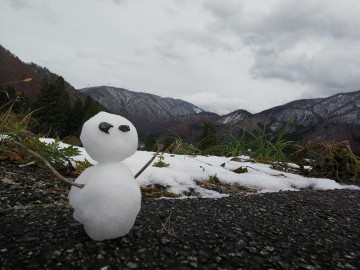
(108, 137)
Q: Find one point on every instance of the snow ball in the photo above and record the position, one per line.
(109, 202)
(108, 137)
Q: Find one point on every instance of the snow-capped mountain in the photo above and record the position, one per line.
(342, 108)
(148, 112)
(122, 101)
(233, 118)
(332, 118)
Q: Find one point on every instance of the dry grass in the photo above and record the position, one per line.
(154, 193)
(333, 160)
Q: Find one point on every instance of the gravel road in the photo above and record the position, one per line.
(286, 230)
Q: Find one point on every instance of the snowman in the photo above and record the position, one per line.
(110, 200)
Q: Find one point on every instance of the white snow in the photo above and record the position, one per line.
(108, 203)
(110, 200)
(184, 170)
(115, 145)
(197, 110)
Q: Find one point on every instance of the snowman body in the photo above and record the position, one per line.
(110, 200)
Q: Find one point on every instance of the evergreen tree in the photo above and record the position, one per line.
(91, 107)
(53, 107)
(24, 104)
(76, 118)
(208, 136)
(150, 143)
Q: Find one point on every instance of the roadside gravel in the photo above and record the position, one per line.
(285, 230)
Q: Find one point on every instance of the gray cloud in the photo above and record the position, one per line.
(333, 68)
(308, 42)
(118, 2)
(214, 102)
(224, 9)
(220, 55)
(19, 4)
(201, 38)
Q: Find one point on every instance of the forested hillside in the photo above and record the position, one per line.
(57, 109)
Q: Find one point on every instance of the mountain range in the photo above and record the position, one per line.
(306, 119)
(332, 118)
(150, 113)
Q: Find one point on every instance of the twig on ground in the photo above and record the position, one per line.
(252, 168)
(201, 161)
(167, 225)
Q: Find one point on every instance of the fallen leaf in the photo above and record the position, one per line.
(241, 170)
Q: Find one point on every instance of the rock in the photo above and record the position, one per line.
(56, 253)
(132, 265)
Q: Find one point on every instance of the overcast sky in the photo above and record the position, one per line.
(220, 55)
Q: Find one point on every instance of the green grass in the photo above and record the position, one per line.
(14, 127)
(265, 145)
(161, 163)
(257, 142)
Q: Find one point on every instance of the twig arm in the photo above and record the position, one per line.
(147, 164)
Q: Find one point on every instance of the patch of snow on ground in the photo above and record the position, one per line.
(184, 170)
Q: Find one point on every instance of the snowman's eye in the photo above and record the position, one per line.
(124, 128)
(104, 127)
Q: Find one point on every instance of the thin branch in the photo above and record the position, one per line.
(152, 159)
(147, 164)
(167, 225)
(252, 168)
(55, 172)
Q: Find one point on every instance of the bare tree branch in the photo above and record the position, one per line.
(55, 172)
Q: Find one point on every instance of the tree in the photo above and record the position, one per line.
(150, 143)
(52, 108)
(23, 104)
(91, 107)
(76, 118)
(208, 136)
